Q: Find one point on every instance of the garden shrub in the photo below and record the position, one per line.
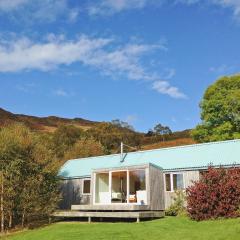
(178, 206)
(215, 195)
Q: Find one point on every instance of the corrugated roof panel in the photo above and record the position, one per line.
(190, 156)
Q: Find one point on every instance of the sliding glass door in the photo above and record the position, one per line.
(125, 186)
(137, 187)
(102, 194)
(119, 187)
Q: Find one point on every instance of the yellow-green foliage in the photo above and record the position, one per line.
(29, 183)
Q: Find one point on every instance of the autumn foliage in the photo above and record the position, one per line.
(215, 195)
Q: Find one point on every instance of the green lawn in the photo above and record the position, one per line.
(167, 228)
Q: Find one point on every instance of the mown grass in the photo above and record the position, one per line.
(167, 228)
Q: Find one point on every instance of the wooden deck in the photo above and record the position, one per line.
(110, 214)
(110, 207)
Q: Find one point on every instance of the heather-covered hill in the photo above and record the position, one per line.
(47, 124)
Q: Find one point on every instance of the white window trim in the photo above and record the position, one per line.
(171, 181)
(86, 179)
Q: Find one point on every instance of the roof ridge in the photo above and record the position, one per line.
(157, 149)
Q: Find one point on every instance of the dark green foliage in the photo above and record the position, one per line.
(220, 111)
(159, 129)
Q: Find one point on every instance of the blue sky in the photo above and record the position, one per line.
(141, 61)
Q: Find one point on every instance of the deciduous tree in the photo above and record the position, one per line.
(220, 114)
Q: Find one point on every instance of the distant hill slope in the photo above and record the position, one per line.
(51, 123)
(169, 143)
(48, 124)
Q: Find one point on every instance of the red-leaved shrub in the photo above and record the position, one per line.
(215, 195)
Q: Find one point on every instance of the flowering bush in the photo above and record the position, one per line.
(215, 195)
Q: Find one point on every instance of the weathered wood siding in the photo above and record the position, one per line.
(188, 178)
(71, 190)
(156, 188)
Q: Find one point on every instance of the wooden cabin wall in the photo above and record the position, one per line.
(71, 190)
(188, 177)
(156, 188)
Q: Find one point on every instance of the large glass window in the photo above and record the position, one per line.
(102, 188)
(119, 187)
(174, 181)
(137, 186)
(177, 182)
(168, 182)
(86, 186)
(128, 186)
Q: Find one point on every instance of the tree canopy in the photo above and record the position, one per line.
(220, 111)
(28, 176)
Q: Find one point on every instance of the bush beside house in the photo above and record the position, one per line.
(215, 195)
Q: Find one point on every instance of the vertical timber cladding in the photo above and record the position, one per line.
(156, 188)
(71, 190)
(188, 178)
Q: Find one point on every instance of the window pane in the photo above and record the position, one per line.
(168, 182)
(119, 187)
(86, 186)
(137, 186)
(102, 188)
(177, 181)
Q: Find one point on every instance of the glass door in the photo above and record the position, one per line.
(119, 187)
(102, 194)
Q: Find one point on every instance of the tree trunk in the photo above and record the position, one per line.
(10, 220)
(2, 204)
(23, 217)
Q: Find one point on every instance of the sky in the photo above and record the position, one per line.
(141, 61)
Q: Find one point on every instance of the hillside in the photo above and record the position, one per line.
(169, 143)
(51, 123)
(47, 124)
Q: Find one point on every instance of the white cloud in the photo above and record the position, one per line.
(24, 54)
(131, 118)
(50, 10)
(113, 6)
(26, 87)
(61, 93)
(40, 10)
(123, 61)
(221, 69)
(9, 5)
(164, 87)
(232, 4)
(73, 14)
(109, 7)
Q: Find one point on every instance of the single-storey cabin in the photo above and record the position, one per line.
(138, 184)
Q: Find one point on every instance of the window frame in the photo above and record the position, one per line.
(83, 180)
(171, 181)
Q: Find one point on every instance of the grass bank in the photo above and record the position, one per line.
(169, 228)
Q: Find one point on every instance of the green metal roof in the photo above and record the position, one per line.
(195, 156)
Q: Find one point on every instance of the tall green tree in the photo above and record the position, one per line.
(220, 111)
